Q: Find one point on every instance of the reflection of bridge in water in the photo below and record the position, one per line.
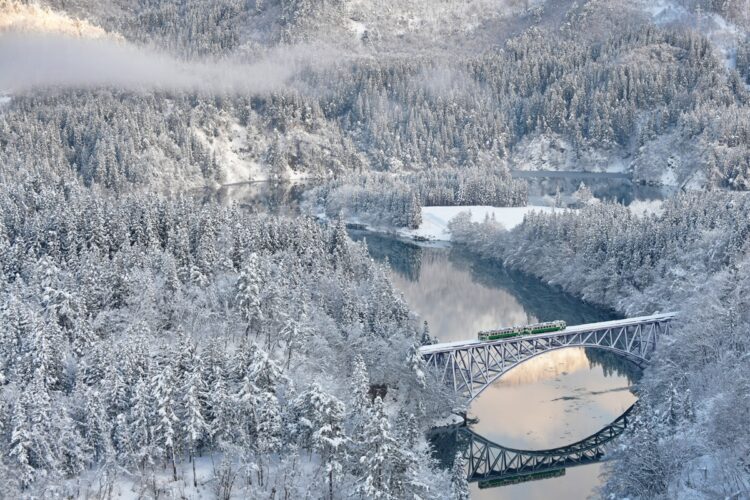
(491, 464)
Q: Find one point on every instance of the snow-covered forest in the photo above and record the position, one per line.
(138, 334)
(160, 345)
(635, 93)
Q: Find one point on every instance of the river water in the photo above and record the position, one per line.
(552, 400)
(545, 187)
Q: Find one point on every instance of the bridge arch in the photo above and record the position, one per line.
(637, 360)
(491, 462)
(471, 366)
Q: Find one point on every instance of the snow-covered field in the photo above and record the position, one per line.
(157, 481)
(435, 220)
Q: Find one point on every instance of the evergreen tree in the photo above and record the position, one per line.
(165, 430)
(249, 288)
(426, 337)
(194, 425)
(360, 388)
(21, 446)
(142, 424)
(378, 445)
(320, 429)
(267, 427)
(458, 479)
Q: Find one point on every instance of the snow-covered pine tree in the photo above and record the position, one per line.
(142, 424)
(426, 338)
(249, 287)
(219, 414)
(165, 432)
(192, 410)
(21, 446)
(378, 446)
(360, 389)
(267, 431)
(458, 478)
(415, 365)
(320, 428)
(75, 454)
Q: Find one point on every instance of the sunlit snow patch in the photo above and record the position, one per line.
(19, 17)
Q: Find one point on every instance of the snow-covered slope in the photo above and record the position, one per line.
(430, 17)
(15, 16)
(722, 32)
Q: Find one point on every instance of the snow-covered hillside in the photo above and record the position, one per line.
(33, 18)
(317, 89)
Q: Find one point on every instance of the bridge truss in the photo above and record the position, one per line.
(471, 366)
(490, 462)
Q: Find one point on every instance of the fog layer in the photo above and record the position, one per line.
(28, 61)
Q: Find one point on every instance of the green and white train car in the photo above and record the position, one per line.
(518, 331)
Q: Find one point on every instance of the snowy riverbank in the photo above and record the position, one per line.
(435, 220)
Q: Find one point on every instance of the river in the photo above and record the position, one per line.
(546, 186)
(550, 401)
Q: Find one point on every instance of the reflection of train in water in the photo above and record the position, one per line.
(517, 331)
(522, 478)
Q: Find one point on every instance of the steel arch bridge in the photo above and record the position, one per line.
(470, 366)
(491, 464)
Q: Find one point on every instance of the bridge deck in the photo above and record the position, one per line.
(463, 344)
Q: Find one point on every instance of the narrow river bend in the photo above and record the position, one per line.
(552, 400)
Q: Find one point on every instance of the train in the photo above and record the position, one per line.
(518, 331)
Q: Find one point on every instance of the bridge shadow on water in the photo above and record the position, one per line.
(492, 465)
